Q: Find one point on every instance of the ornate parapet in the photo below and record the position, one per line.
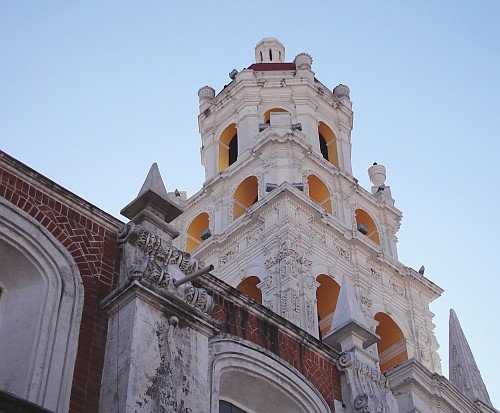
(368, 389)
(153, 262)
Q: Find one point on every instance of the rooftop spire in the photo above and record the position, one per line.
(464, 372)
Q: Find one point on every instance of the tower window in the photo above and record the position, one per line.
(196, 228)
(228, 147)
(322, 146)
(267, 114)
(249, 287)
(245, 196)
(328, 144)
(270, 55)
(366, 225)
(233, 150)
(327, 296)
(392, 345)
(319, 192)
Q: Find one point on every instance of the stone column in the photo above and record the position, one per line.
(157, 345)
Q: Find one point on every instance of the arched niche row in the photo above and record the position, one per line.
(196, 230)
(392, 345)
(249, 287)
(366, 225)
(228, 147)
(245, 196)
(328, 144)
(267, 114)
(319, 192)
(327, 295)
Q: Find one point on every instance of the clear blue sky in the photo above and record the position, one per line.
(92, 93)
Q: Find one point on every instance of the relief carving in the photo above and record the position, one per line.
(342, 252)
(311, 320)
(397, 288)
(295, 302)
(149, 259)
(254, 236)
(369, 389)
(284, 306)
(224, 258)
(375, 275)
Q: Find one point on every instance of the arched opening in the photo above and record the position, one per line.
(246, 377)
(319, 192)
(328, 144)
(245, 196)
(267, 114)
(40, 312)
(249, 287)
(327, 296)
(366, 225)
(195, 230)
(392, 345)
(228, 147)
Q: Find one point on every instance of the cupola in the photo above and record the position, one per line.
(269, 50)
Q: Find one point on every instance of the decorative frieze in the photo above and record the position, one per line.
(342, 252)
(397, 288)
(375, 274)
(228, 255)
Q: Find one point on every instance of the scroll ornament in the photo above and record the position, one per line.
(368, 387)
(149, 259)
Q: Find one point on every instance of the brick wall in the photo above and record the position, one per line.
(309, 356)
(89, 235)
(91, 241)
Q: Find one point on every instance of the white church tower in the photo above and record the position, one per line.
(282, 218)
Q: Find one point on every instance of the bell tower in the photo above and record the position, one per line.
(281, 217)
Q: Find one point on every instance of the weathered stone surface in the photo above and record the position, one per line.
(464, 372)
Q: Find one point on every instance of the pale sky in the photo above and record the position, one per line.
(93, 92)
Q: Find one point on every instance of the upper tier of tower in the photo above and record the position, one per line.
(272, 96)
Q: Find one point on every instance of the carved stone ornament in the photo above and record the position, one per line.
(150, 259)
(369, 389)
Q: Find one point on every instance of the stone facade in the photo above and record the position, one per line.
(277, 287)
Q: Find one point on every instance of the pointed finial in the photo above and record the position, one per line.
(154, 183)
(349, 320)
(152, 207)
(464, 373)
